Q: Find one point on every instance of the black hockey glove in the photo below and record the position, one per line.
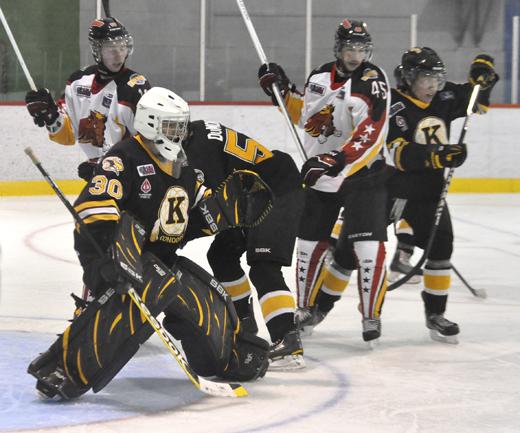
(327, 163)
(482, 71)
(242, 200)
(274, 73)
(86, 169)
(447, 156)
(41, 107)
(103, 273)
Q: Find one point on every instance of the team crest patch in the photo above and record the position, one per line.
(136, 80)
(395, 108)
(113, 163)
(316, 88)
(369, 74)
(341, 94)
(83, 91)
(146, 170)
(146, 188)
(107, 100)
(401, 122)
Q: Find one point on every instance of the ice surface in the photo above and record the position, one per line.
(407, 384)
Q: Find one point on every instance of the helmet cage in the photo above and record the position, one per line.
(97, 44)
(163, 118)
(410, 75)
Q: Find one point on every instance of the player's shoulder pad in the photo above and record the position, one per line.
(212, 130)
(398, 102)
(450, 91)
(130, 87)
(76, 75)
(324, 68)
(368, 72)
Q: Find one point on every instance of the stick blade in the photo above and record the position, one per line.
(222, 389)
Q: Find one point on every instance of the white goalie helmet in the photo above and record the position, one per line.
(163, 116)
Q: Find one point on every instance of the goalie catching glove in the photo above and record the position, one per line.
(242, 200)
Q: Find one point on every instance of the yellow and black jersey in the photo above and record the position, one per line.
(131, 178)
(215, 151)
(416, 128)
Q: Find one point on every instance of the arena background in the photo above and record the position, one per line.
(52, 36)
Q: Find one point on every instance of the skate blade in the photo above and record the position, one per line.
(372, 344)
(395, 276)
(449, 339)
(287, 363)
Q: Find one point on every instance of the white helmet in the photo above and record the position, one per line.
(163, 117)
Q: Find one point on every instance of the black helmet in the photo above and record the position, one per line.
(107, 29)
(425, 61)
(352, 32)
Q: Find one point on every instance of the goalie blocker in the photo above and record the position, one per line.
(109, 331)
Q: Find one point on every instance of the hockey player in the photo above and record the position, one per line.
(147, 176)
(344, 113)
(98, 106)
(217, 151)
(418, 140)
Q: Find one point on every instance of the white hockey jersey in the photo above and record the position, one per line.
(96, 113)
(359, 124)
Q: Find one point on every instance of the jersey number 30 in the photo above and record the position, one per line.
(101, 184)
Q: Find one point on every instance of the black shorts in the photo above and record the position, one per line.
(274, 238)
(420, 216)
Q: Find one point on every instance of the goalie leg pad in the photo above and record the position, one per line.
(204, 319)
(105, 336)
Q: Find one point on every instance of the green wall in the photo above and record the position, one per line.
(47, 33)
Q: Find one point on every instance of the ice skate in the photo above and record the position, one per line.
(307, 318)
(401, 266)
(287, 353)
(371, 331)
(442, 329)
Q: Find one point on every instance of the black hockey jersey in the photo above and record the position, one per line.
(416, 128)
(216, 151)
(131, 178)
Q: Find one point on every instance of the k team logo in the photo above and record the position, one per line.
(146, 170)
(173, 216)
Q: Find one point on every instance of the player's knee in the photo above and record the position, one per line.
(442, 247)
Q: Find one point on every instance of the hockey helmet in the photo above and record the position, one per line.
(422, 62)
(163, 117)
(352, 33)
(105, 31)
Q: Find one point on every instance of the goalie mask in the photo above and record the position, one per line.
(111, 44)
(352, 44)
(163, 117)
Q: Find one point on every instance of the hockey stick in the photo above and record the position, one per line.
(442, 200)
(106, 7)
(479, 293)
(17, 51)
(210, 387)
(276, 89)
